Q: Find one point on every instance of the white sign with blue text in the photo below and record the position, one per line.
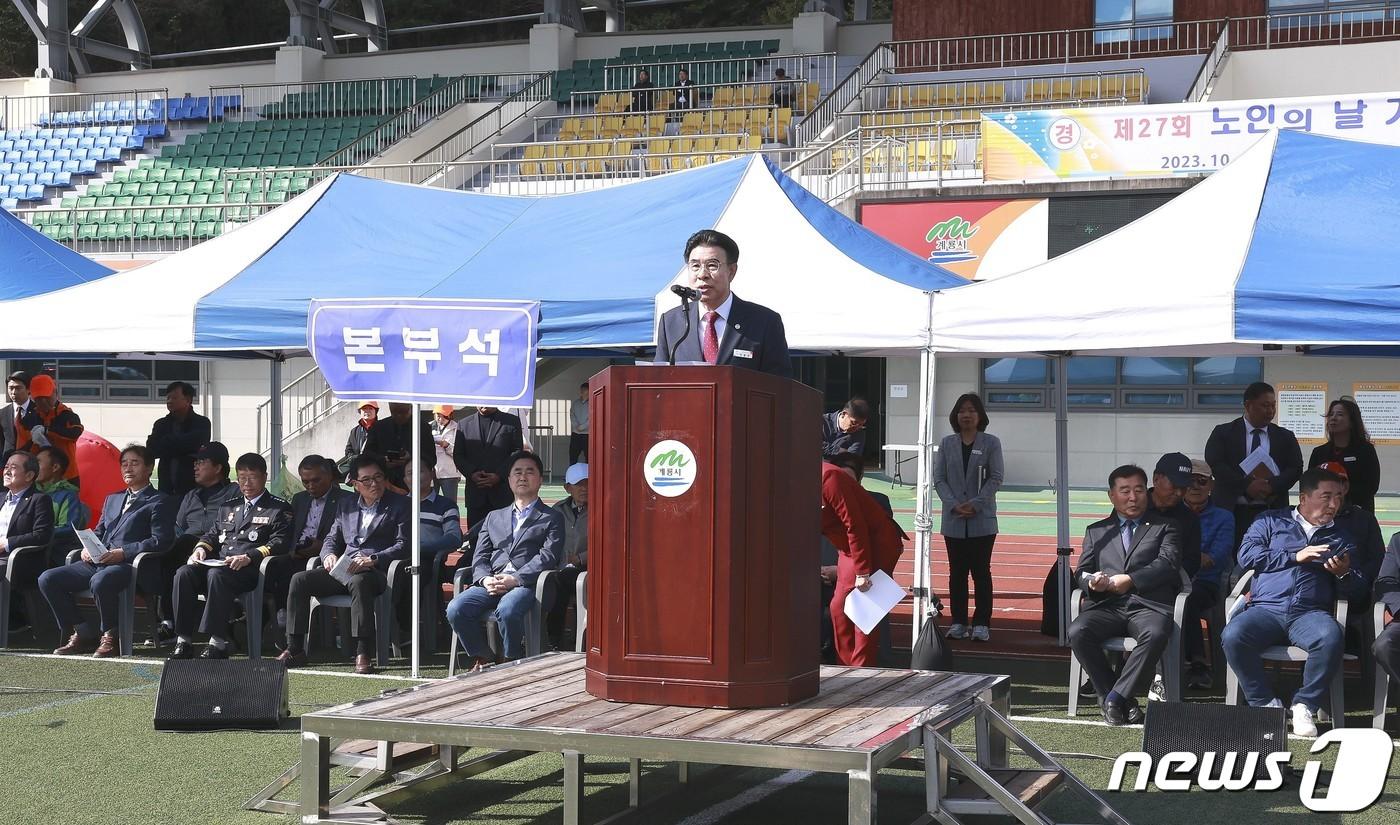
(429, 351)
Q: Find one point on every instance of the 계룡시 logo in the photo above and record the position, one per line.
(669, 468)
(950, 241)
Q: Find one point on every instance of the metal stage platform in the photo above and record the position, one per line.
(861, 721)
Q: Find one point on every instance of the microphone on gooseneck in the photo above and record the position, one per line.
(686, 294)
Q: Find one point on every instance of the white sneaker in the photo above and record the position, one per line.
(1274, 703)
(1303, 724)
(956, 631)
(981, 633)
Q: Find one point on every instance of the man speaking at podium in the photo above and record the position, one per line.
(723, 328)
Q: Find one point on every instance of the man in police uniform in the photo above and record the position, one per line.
(250, 526)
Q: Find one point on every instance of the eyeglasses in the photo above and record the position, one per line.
(374, 479)
(711, 266)
(1200, 481)
(246, 478)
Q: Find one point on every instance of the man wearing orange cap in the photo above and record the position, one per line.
(359, 434)
(445, 438)
(50, 422)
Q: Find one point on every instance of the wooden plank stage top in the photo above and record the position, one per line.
(855, 709)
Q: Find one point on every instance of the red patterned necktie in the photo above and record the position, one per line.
(709, 341)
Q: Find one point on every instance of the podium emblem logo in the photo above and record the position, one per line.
(669, 468)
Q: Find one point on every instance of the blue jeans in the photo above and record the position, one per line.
(1254, 629)
(60, 584)
(468, 611)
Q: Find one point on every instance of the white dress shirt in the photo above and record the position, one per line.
(721, 322)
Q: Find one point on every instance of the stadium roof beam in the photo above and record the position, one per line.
(313, 20)
(564, 12)
(61, 52)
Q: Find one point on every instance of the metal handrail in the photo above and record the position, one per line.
(429, 107)
(879, 61)
(469, 137)
(1210, 68)
(29, 108)
(701, 67)
(1064, 45)
(253, 97)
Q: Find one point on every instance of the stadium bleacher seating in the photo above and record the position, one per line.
(723, 63)
(179, 194)
(35, 161)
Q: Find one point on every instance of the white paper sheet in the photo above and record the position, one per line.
(868, 608)
(1257, 457)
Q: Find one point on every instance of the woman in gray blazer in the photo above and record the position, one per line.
(968, 474)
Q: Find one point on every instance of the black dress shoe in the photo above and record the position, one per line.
(1115, 714)
(183, 650)
(1132, 712)
(211, 652)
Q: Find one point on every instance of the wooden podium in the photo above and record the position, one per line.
(705, 500)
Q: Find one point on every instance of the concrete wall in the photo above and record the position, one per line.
(1311, 70)
(1098, 442)
(859, 39)
(193, 79)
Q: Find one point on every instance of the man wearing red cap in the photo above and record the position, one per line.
(50, 422)
(1362, 526)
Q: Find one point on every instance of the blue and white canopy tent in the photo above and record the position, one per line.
(601, 262)
(1290, 248)
(31, 264)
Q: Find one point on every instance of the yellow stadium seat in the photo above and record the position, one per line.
(892, 97)
(761, 93)
(534, 151)
(692, 123)
(634, 126)
(656, 125)
(923, 97)
(784, 124)
(607, 103)
(994, 92)
(530, 169)
(611, 127)
(723, 96)
(753, 142)
(808, 95)
(734, 120)
(1037, 91)
(1061, 90)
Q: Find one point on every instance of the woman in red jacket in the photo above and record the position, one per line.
(867, 540)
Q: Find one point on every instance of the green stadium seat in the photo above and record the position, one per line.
(165, 190)
(204, 229)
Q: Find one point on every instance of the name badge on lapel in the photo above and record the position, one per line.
(743, 353)
(1348, 458)
(262, 519)
(976, 452)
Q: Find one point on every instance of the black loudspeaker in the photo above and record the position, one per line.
(200, 694)
(1198, 728)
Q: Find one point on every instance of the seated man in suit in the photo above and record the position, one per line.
(574, 558)
(313, 513)
(1130, 571)
(723, 328)
(1249, 494)
(486, 440)
(1302, 562)
(139, 519)
(517, 544)
(373, 528)
(1387, 590)
(193, 518)
(249, 527)
(26, 520)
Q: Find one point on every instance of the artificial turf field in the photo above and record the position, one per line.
(78, 747)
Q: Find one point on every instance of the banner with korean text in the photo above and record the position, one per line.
(430, 351)
(1169, 139)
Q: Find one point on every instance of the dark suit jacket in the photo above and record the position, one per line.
(486, 443)
(301, 510)
(1153, 562)
(31, 524)
(752, 328)
(1388, 582)
(387, 538)
(1225, 449)
(7, 429)
(174, 442)
(534, 549)
(148, 526)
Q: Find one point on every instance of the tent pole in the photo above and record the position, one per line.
(415, 508)
(274, 411)
(1063, 549)
(923, 504)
